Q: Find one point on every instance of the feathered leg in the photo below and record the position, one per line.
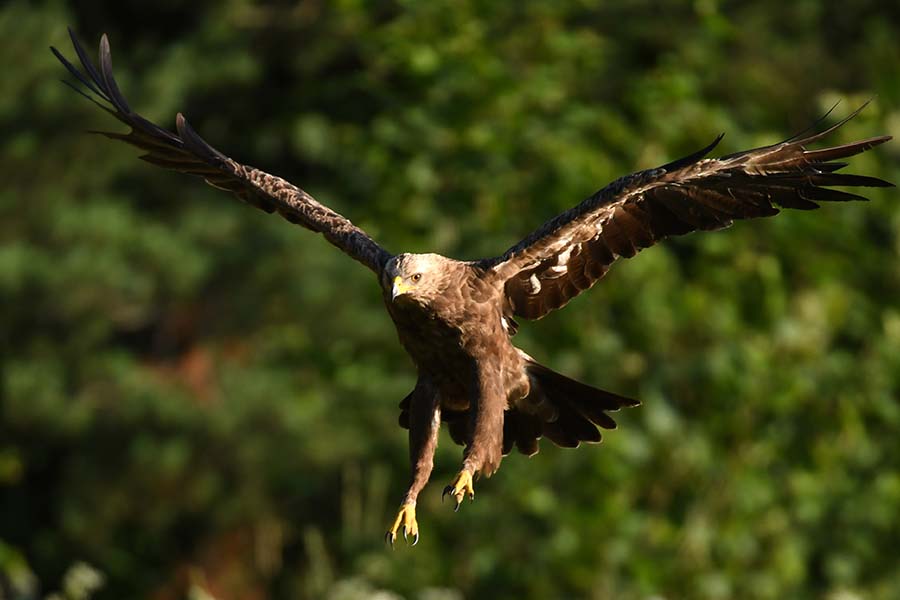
(424, 424)
(484, 447)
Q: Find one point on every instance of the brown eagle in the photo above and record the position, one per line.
(456, 319)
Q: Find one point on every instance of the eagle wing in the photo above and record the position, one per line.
(568, 254)
(188, 153)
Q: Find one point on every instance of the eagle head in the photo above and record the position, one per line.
(416, 277)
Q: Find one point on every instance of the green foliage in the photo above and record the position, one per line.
(199, 400)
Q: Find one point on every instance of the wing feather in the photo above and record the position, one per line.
(570, 253)
(188, 153)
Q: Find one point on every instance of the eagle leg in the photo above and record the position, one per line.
(424, 424)
(460, 488)
(484, 443)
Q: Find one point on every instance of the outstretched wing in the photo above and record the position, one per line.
(189, 153)
(568, 254)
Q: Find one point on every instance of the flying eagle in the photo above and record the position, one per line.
(456, 319)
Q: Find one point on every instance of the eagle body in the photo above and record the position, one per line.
(456, 318)
(451, 323)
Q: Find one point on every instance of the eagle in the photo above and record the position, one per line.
(456, 319)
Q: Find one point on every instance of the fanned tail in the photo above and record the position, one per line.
(569, 412)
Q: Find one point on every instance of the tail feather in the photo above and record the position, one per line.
(578, 410)
(521, 430)
(571, 428)
(556, 384)
(559, 408)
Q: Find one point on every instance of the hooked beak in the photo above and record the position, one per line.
(399, 288)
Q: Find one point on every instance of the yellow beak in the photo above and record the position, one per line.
(400, 288)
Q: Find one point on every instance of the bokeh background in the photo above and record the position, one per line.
(200, 401)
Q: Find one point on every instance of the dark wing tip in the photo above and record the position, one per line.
(86, 81)
(105, 53)
(109, 81)
(815, 124)
(824, 155)
(818, 136)
(193, 142)
(692, 158)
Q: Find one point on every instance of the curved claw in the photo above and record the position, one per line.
(460, 488)
(405, 523)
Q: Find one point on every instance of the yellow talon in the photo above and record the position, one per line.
(406, 519)
(460, 488)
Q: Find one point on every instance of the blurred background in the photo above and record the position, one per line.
(200, 400)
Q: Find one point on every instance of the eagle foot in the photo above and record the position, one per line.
(460, 488)
(405, 522)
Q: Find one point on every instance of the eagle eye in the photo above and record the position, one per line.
(416, 277)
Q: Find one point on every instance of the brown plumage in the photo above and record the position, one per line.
(456, 319)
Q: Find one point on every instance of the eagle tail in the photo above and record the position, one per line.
(576, 410)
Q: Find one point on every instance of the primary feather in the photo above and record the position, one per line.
(569, 254)
(188, 153)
